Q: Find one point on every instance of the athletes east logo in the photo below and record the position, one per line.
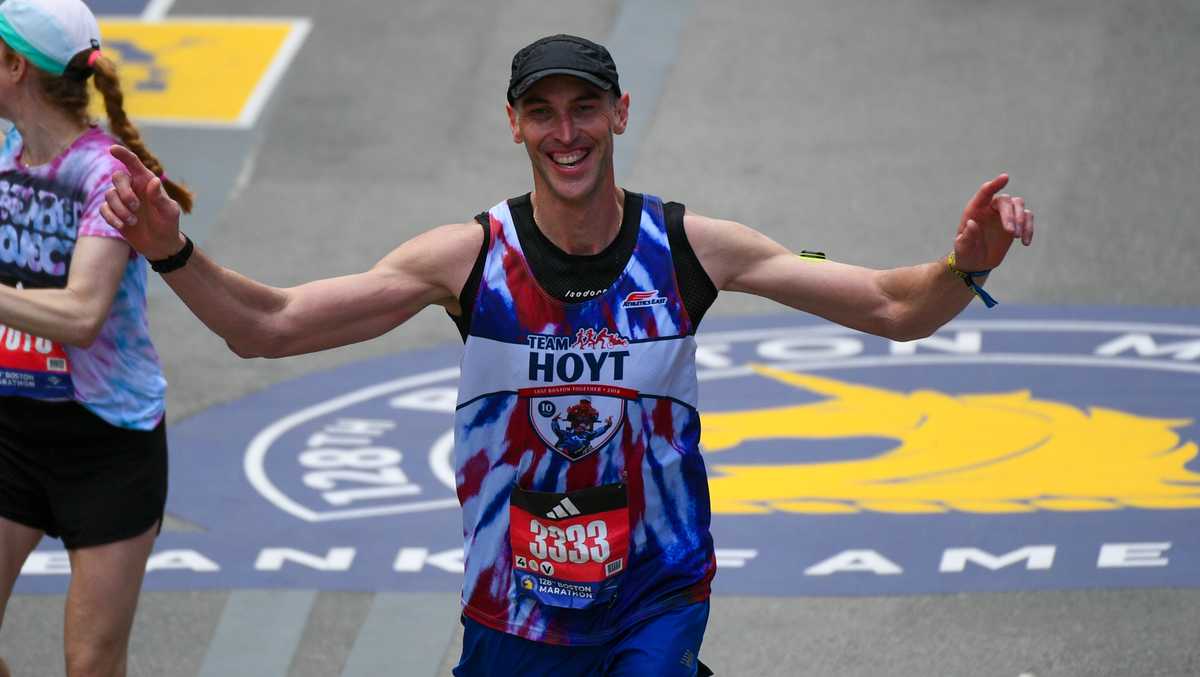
(643, 299)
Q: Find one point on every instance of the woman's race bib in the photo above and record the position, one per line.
(33, 367)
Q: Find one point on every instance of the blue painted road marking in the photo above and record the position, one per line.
(1036, 448)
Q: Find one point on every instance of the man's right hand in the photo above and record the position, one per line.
(139, 207)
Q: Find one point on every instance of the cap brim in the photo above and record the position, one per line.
(530, 80)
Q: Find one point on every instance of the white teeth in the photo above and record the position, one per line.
(568, 159)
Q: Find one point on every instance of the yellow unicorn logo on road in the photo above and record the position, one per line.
(979, 453)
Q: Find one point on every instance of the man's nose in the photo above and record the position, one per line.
(564, 131)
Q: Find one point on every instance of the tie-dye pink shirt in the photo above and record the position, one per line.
(44, 210)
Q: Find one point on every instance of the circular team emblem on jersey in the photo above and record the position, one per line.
(1021, 448)
(576, 420)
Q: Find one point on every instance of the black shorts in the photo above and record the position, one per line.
(69, 473)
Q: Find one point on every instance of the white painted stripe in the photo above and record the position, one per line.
(258, 633)
(156, 10)
(266, 84)
(254, 462)
(404, 634)
(644, 43)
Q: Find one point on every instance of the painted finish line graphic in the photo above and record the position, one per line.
(1024, 448)
(200, 71)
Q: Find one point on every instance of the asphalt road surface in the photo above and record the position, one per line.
(857, 128)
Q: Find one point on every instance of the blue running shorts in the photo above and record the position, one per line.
(667, 645)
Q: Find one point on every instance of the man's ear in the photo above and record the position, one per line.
(622, 114)
(517, 136)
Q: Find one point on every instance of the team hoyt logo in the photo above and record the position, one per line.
(586, 356)
(577, 420)
(1003, 452)
(582, 416)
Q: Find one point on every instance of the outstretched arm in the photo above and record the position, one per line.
(259, 320)
(75, 314)
(899, 303)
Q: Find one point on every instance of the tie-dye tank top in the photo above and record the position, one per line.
(585, 500)
(44, 210)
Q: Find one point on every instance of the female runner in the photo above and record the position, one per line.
(83, 452)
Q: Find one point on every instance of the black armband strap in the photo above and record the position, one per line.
(174, 261)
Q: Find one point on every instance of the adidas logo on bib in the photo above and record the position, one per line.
(565, 508)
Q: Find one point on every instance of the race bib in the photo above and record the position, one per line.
(569, 550)
(33, 367)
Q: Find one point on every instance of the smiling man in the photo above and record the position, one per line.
(597, 559)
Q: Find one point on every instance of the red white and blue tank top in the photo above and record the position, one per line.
(585, 499)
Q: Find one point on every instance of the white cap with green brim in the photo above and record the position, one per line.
(48, 32)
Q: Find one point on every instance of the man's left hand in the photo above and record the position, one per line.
(989, 224)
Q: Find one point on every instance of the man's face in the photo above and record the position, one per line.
(567, 126)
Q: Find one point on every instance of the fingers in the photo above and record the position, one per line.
(1003, 204)
(121, 200)
(157, 196)
(119, 207)
(1018, 204)
(983, 197)
(1015, 216)
(970, 232)
(130, 160)
(110, 217)
(124, 193)
(1024, 220)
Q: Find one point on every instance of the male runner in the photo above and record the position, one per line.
(597, 563)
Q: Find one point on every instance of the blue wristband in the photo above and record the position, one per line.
(968, 278)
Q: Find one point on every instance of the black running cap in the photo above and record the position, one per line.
(562, 55)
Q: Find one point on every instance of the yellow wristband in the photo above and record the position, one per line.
(968, 278)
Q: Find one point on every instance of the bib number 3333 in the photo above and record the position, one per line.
(569, 549)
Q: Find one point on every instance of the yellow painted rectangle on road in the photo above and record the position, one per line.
(199, 71)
